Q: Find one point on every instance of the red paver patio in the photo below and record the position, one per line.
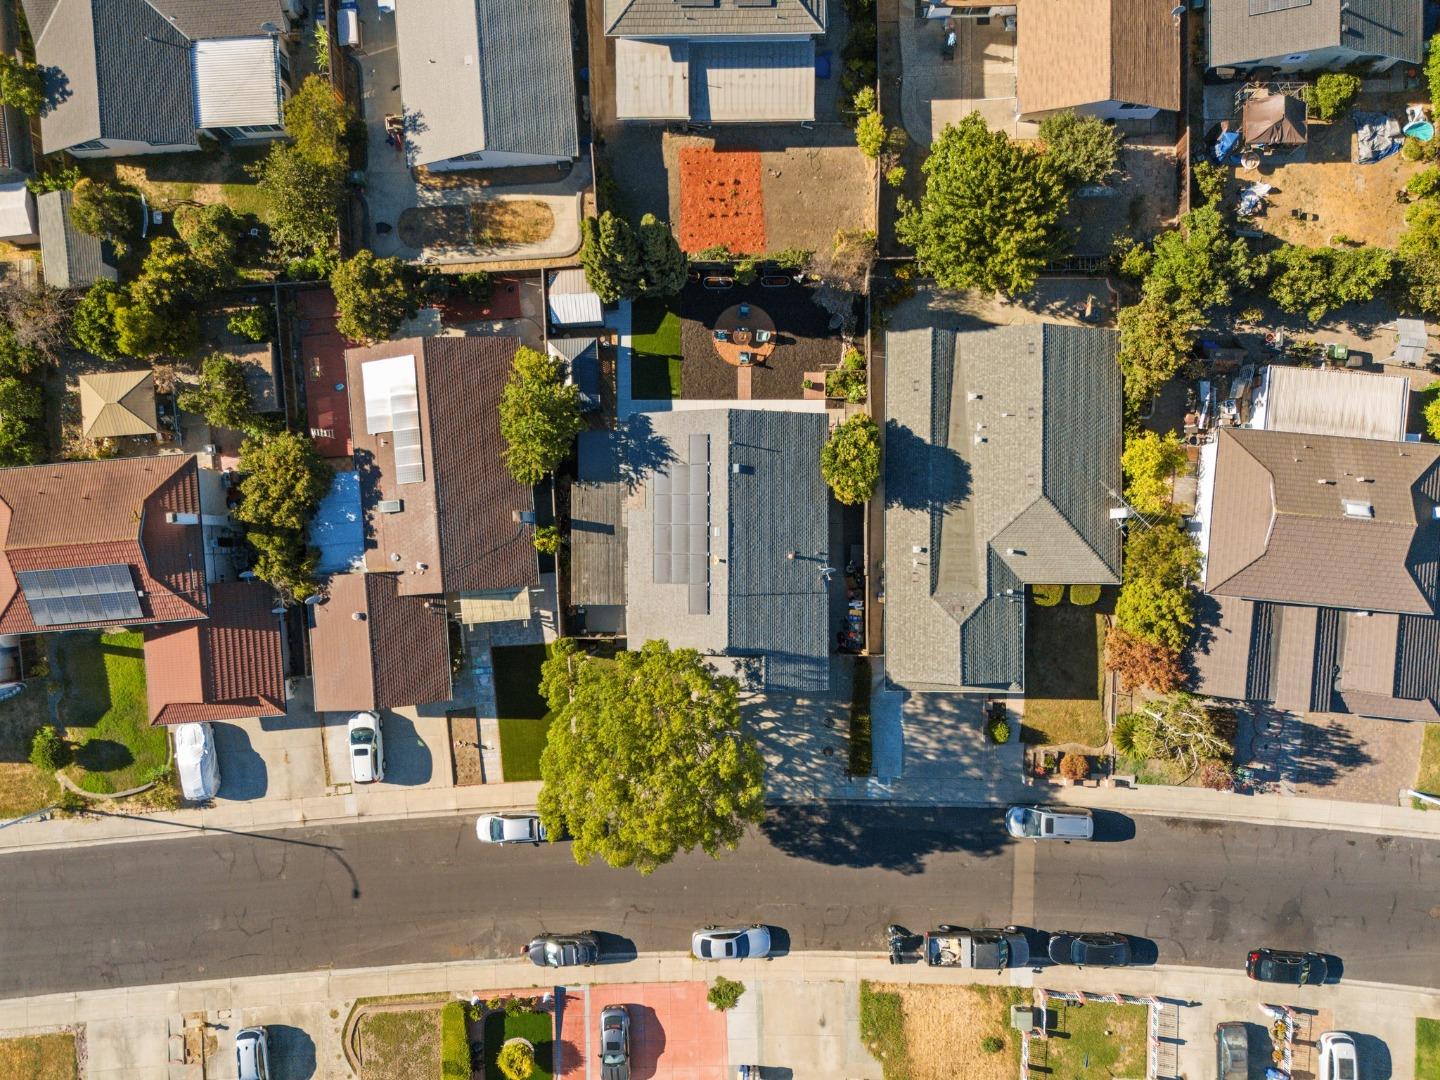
(504, 303)
(322, 351)
(674, 1034)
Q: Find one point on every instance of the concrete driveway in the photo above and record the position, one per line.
(274, 757)
(417, 749)
(779, 1026)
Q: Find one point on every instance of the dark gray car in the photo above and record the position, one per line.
(614, 1043)
(1232, 1052)
(1090, 950)
(564, 950)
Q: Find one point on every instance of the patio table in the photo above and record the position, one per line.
(738, 336)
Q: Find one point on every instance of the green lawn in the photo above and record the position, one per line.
(655, 341)
(105, 715)
(1083, 1049)
(24, 788)
(1427, 778)
(1063, 673)
(521, 742)
(39, 1057)
(1427, 1049)
(524, 719)
(536, 1027)
(882, 1030)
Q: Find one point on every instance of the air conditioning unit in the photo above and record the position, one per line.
(390, 506)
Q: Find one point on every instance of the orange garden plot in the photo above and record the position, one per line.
(721, 201)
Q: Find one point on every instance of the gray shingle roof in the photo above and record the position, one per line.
(196, 19)
(492, 75)
(1002, 457)
(73, 260)
(761, 603)
(597, 526)
(695, 18)
(1365, 27)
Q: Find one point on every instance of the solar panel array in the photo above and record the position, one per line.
(392, 403)
(81, 594)
(682, 524)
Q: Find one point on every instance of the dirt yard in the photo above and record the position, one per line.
(490, 223)
(945, 1025)
(721, 201)
(1321, 178)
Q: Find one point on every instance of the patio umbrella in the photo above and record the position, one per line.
(1274, 120)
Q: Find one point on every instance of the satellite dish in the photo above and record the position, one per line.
(1177, 11)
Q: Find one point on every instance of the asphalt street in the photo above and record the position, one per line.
(237, 904)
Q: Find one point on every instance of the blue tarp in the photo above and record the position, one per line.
(1227, 142)
(338, 529)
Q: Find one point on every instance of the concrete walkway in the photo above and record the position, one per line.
(800, 1011)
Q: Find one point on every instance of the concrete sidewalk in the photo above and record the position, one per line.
(127, 1031)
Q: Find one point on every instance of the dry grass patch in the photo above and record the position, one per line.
(39, 1057)
(511, 222)
(400, 1045)
(945, 1028)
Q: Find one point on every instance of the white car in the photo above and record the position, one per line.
(367, 749)
(196, 764)
(510, 829)
(731, 942)
(252, 1054)
(1337, 1057)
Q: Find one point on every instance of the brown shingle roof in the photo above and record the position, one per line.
(396, 654)
(1280, 530)
(1080, 52)
(226, 668)
(458, 522)
(92, 513)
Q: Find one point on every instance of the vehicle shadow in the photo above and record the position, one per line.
(891, 838)
(647, 1041)
(408, 760)
(615, 948)
(1112, 828)
(1374, 1055)
(292, 1052)
(243, 774)
(1334, 969)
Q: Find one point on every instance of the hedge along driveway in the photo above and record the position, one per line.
(104, 710)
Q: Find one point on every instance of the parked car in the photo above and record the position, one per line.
(1104, 949)
(252, 1054)
(1049, 823)
(954, 946)
(196, 764)
(564, 950)
(1286, 966)
(1232, 1051)
(614, 1043)
(510, 829)
(367, 748)
(1338, 1060)
(731, 942)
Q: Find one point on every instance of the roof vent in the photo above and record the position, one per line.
(1358, 508)
(1322, 480)
(390, 506)
(358, 616)
(1364, 480)
(972, 396)
(980, 440)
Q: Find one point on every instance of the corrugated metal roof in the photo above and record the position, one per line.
(117, 403)
(73, 260)
(572, 302)
(1319, 401)
(652, 79)
(237, 82)
(717, 18)
(737, 81)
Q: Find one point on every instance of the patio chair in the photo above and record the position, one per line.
(747, 358)
(744, 310)
(762, 336)
(722, 335)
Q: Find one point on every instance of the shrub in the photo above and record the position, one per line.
(850, 460)
(516, 1061)
(1432, 417)
(253, 324)
(992, 1044)
(476, 285)
(1210, 180)
(725, 993)
(1084, 595)
(1047, 595)
(1084, 148)
(455, 1063)
(519, 1006)
(1216, 776)
(1075, 766)
(1332, 93)
(848, 380)
(998, 731)
(547, 539)
(1424, 184)
(1412, 149)
(895, 175)
(48, 750)
(870, 134)
(1139, 662)
(1128, 736)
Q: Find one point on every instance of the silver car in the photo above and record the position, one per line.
(1049, 823)
(196, 764)
(614, 1043)
(510, 829)
(252, 1054)
(731, 942)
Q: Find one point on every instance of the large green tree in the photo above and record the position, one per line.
(21, 86)
(990, 215)
(539, 415)
(1419, 251)
(850, 460)
(646, 757)
(1317, 280)
(1150, 462)
(157, 315)
(303, 199)
(221, 396)
(666, 268)
(21, 409)
(319, 122)
(1156, 337)
(1156, 601)
(1199, 263)
(93, 327)
(374, 296)
(1084, 148)
(610, 257)
(98, 209)
(212, 233)
(283, 480)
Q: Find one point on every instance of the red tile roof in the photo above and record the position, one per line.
(227, 668)
(91, 513)
(322, 351)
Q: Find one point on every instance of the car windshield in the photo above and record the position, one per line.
(554, 953)
(497, 829)
(1345, 1069)
(1028, 822)
(362, 736)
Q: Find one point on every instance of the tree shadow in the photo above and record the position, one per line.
(641, 452)
(55, 86)
(103, 755)
(292, 1052)
(1322, 753)
(920, 475)
(890, 838)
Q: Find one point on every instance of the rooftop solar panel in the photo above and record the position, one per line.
(81, 594)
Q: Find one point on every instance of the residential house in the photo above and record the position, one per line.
(72, 259)
(1314, 35)
(1322, 572)
(728, 544)
(129, 542)
(1116, 59)
(581, 357)
(151, 76)
(715, 61)
(1002, 471)
(487, 83)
